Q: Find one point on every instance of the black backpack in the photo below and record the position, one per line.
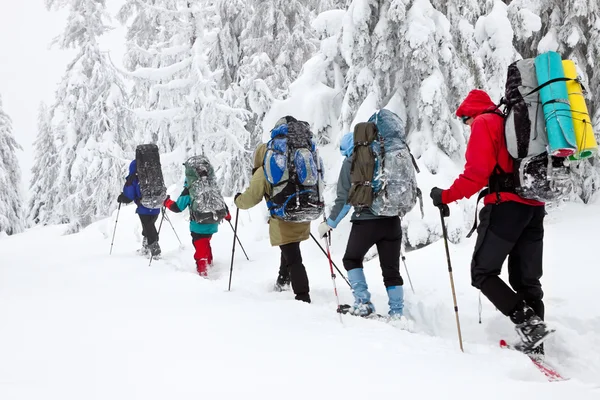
(150, 176)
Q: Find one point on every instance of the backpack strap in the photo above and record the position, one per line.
(420, 197)
(482, 194)
(499, 182)
(412, 158)
(551, 81)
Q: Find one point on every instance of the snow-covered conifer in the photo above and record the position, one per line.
(91, 132)
(42, 190)
(11, 200)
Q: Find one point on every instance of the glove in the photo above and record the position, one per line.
(324, 229)
(436, 196)
(167, 203)
(228, 216)
(236, 196)
(123, 199)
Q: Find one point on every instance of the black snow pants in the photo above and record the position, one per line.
(386, 234)
(515, 230)
(291, 265)
(149, 228)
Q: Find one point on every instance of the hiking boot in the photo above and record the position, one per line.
(305, 297)
(532, 332)
(362, 309)
(395, 300)
(154, 249)
(538, 352)
(144, 250)
(362, 298)
(531, 329)
(282, 284)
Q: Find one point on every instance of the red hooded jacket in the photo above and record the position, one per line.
(485, 150)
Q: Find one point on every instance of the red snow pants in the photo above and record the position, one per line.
(203, 254)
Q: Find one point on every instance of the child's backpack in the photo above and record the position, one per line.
(150, 177)
(383, 169)
(207, 205)
(537, 175)
(293, 168)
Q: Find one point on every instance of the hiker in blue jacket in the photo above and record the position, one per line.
(148, 216)
(367, 230)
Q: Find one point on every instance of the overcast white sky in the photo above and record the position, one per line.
(30, 69)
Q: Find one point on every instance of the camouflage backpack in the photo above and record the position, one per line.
(207, 204)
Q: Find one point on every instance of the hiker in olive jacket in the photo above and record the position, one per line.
(286, 235)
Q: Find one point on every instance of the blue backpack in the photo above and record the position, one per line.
(294, 169)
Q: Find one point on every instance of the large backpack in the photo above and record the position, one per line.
(383, 169)
(150, 177)
(207, 204)
(293, 168)
(537, 175)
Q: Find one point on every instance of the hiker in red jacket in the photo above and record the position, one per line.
(510, 225)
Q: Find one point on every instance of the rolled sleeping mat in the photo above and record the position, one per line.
(555, 103)
(582, 124)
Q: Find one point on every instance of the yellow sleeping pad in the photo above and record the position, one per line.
(584, 133)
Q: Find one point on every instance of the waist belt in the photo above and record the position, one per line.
(499, 182)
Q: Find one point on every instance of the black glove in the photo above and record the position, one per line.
(236, 196)
(123, 199)
(436, 196)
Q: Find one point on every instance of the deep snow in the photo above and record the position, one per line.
(78, 323)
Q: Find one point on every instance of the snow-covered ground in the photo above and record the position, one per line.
(78, 323)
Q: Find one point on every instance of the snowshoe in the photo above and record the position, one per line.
(533, 332)
(359, 310)
(401, 322)
(282, 284)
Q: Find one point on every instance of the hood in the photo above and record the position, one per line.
(347, 144)
(476, 103)
(259, 156)
(133, 167)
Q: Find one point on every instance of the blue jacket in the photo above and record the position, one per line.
(183, 201)
(132, 191)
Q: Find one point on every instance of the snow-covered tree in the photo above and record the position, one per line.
(91, 122)
(11, 200)
(494, 34)
(275, 43)
(184, 107)
(42, 189)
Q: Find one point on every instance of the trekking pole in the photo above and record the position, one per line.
(335, 266)
(480, 306)
(157, 234)
(407, 274)
(174, 231)
(339, 309)
(237, 214)
(445, 232)
(115, 230)
(238, 239)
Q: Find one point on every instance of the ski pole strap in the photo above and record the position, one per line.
(420, 196)
(482, 194)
